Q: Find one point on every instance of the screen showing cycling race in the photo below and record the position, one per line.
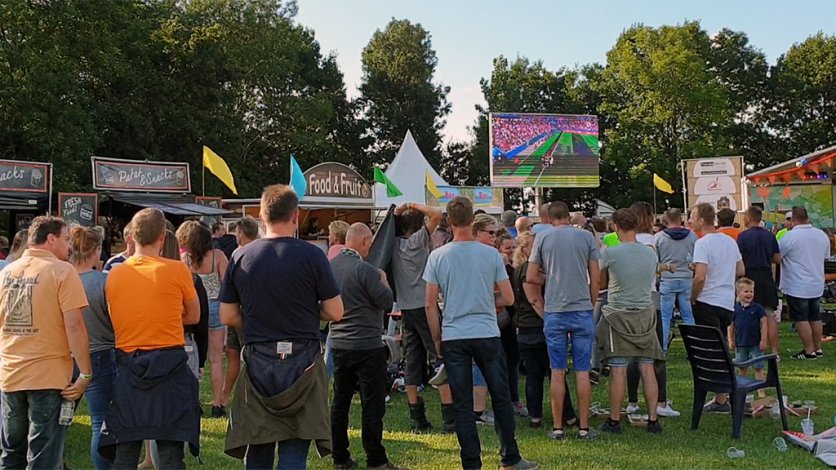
(547, 150)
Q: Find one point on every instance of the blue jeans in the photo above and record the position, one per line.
(744, 353)
(293, 455)
(98, 394)
(674, 291)
(557, 327)
(31, 435)
(488, 354)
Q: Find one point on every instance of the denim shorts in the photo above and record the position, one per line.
(558, 327)
(215, 315)
(803, 309)
(745, 353)
(478, 378)
(621, 361)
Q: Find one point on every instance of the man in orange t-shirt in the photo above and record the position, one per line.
(725, 218)
(41, 303)
(150, 299)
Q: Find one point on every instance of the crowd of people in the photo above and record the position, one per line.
(510, 132)
(478, 298)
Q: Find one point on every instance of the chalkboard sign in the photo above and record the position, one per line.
(213, 202)
(135, 175)
(79, 208)
(24, 177)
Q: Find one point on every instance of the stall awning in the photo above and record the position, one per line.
(815, 161)
(168, 204)
(18, 203)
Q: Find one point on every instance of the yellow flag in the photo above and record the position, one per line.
(432, 188)
(661, 184)
(218, 167)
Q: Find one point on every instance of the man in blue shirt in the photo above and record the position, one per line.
(468, 273)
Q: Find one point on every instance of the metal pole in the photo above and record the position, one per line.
(683, 164)
(49, 203)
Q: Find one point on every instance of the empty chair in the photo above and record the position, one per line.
(714, 371)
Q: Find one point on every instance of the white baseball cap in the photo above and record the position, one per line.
(789, 215)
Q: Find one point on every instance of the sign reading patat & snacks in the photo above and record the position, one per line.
(137, 175)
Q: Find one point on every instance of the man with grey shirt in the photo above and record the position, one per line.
(675, 246)
(468, 273)
(568, 258)
(359, 355)
(408, 263)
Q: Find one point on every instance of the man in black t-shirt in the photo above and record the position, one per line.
(761, 256)
(277, 290)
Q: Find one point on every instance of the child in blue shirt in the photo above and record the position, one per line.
(747, 332)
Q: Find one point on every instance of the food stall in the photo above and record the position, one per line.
(334, 192)
(803, 181)
(25, 192)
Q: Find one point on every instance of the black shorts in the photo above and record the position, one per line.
(766, 292)
(419, 345)
(710, 315)
(803, 309)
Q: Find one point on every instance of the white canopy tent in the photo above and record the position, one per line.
(407, 172)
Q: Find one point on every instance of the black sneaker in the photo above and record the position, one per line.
(218, 411)
(610, 426)
(587, 435)
(535, 424)
(439, 375)
(654, 427)
(557, 434)
(714, 407)
(804, 356)
(593, 376)
(345, 466)
(819, 353)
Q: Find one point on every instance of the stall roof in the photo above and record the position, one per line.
(174, 205)
(19, 203)
(791, 165)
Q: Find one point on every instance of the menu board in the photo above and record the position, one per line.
(79, 208)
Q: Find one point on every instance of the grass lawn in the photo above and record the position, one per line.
(677, 447)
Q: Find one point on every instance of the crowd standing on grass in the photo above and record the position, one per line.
(479, 300)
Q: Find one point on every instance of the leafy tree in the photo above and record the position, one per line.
(398, 92)
(802, 110)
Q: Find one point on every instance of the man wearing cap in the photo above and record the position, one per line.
(787, 226)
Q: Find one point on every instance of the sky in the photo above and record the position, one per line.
(468, 34)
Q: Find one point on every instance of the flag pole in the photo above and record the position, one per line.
(203, 178)
(654, 197)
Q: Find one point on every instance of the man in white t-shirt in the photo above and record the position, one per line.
(717, 264)
(803, 251)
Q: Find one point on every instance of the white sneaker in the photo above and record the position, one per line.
(667, 411)
(632, 409)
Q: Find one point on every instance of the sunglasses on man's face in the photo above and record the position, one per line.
(490, 232)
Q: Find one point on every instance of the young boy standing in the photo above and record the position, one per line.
(748, 331)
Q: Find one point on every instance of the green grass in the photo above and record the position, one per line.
(677, 447)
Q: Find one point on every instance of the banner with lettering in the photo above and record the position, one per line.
(24, 177)
(79, 208)
(137, 175)
(483, 197)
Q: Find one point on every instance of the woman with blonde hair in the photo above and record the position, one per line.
(19, 245)
(86, 252)
(210, 265)
(337, 231)
(532, 341)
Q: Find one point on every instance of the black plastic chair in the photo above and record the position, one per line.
(714, 371)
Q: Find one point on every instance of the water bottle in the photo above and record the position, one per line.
(65, 417)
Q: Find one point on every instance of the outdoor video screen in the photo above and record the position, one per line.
(548, 150)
